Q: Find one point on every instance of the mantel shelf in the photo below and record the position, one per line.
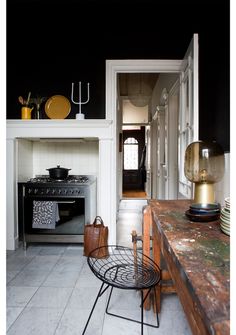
(59, 123)
(99, 128)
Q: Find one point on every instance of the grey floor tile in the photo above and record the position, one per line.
(171, 317)
(52, 250)
(30, 251)
(12, 315)
(19, 296)
(10, 253)
(69, 264)
(61, 279)
(129, 219)
(32, 278)
(125, 299)
(36, 321)
(74, 251)
(17, 263)
(180, 324)
(132, 204)
(88, 280)
(73, 322)
(170, 302)
(117, 326)
(169, 321)
(11, 274)
(85, 268)
(83, 298)
(51, 297)
(43, 262)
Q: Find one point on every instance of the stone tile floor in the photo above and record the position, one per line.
(50, 291)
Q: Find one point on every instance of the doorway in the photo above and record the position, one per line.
(134, 94)
(134, 162)
(187, 68)
(149, 150)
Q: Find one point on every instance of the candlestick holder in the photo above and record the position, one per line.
(80, 115)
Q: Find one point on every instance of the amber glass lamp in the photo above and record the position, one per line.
(204, 166)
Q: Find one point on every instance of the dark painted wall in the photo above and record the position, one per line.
(51, 44)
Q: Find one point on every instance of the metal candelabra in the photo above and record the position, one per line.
(80, 102)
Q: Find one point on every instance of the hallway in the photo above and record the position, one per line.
(134, 194)
(129, 219)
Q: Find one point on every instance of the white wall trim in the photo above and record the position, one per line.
(113, 67)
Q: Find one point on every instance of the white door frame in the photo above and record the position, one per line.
(172, 141)
(113, 67)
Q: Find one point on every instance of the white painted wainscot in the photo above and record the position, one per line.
(95, 156)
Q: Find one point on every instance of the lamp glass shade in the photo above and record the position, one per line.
(204, 165)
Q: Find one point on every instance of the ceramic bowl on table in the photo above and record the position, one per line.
(203, 212)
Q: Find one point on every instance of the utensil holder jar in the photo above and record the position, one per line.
(26, 113)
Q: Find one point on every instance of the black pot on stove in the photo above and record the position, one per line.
(58, 173)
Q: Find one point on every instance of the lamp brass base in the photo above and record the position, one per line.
(204, 193)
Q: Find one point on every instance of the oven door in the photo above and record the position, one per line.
(68, 229)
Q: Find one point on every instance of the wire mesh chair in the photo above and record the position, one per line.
(124, 268)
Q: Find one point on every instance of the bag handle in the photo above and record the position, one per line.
(98, 218)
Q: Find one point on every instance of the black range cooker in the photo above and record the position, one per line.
(55, 211)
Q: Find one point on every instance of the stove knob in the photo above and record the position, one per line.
(35, 190)
(29, 190)
(53, 191)
(59, 191)
(65, 191)
(48, 190)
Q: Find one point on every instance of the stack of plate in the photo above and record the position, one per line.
(225, 217)
(203, 212)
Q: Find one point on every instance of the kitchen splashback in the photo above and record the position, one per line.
(36, 156)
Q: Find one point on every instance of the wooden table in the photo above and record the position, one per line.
(197, 255)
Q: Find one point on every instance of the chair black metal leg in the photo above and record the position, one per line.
(108, 301)
(141, 306)
(100, 293)
(142, 302)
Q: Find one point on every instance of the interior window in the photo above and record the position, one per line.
(130, 154)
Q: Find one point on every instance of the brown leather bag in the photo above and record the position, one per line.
(96, 235)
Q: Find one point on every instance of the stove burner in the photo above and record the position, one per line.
(69, 179)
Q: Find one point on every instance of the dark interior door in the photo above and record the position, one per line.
(134, 159)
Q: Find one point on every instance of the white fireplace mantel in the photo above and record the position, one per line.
(101, 129)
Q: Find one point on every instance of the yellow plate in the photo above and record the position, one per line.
(57, 107)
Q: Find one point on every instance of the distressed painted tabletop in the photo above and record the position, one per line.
(201, 251)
